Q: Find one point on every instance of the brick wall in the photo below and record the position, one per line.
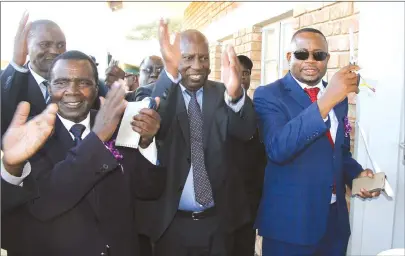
(200, 14)
(248, 41)
(333, 19)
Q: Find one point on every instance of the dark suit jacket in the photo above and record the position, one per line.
(140, 93)
(251, 158)
(13, 196)
(302, 165)
(221, 124)
(17, 87)
(86, 200)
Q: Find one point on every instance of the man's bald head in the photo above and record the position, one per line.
(150, 69)
(38, 24)
(45, 42)
(192, 36)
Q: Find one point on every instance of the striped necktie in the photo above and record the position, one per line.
(46, 84)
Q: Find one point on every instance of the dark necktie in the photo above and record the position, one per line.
(202, 185)
(46, 84)
(77, 131)
(313, 95)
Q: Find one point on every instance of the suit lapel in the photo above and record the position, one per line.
(295, 91)
(60, 143)
(210, 102)
(182, 117)
(35, 95)
(339, 113)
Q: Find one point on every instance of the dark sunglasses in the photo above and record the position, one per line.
(304, 55)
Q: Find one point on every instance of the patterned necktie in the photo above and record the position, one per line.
(46, 84)
(313, 95)
(77, 131)
(202, 186)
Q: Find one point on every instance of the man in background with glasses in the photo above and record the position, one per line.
(304, 126)
(149, 71)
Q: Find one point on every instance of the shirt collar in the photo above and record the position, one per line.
(68, 124)
(39, 79)
(303, 86)
(183, 89)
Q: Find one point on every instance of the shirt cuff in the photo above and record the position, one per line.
(19, 68)
(176, 81)
(14, 180)
(236, 107)
(150, 152)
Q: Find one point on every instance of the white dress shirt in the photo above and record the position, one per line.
(149, 153)
(333, 119)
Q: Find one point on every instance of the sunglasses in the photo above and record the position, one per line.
(304, 55)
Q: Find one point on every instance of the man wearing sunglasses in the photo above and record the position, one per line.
(303, 124)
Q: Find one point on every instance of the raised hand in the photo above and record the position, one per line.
(342, 83)
(147, 124)
(23, 139)
(113, 73)
(170, 52)
(231, 74)
(21, 40)
(110, 113)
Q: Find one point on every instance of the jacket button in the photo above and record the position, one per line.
(181, 188)
(188, 160)
(105, 167)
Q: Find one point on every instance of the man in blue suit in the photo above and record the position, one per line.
(303, 124)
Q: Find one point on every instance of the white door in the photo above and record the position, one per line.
(378, 224)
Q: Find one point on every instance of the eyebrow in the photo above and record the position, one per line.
(305, 49)
(66, 79)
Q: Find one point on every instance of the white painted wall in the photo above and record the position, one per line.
(378, 224)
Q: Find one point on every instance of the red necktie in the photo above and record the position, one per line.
(313, 95)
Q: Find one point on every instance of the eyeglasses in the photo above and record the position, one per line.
(158, 70)
(304, 55)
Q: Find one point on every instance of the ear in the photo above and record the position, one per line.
(288, 56)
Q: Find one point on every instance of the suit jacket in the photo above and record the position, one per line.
(16, 87)
(251, 158)
(221, 124)
(302, 165)
(86, 199)
(13, 196)
(140, 93)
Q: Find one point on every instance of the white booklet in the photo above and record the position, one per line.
(126, 136)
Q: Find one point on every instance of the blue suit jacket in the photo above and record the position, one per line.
(302, 165)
